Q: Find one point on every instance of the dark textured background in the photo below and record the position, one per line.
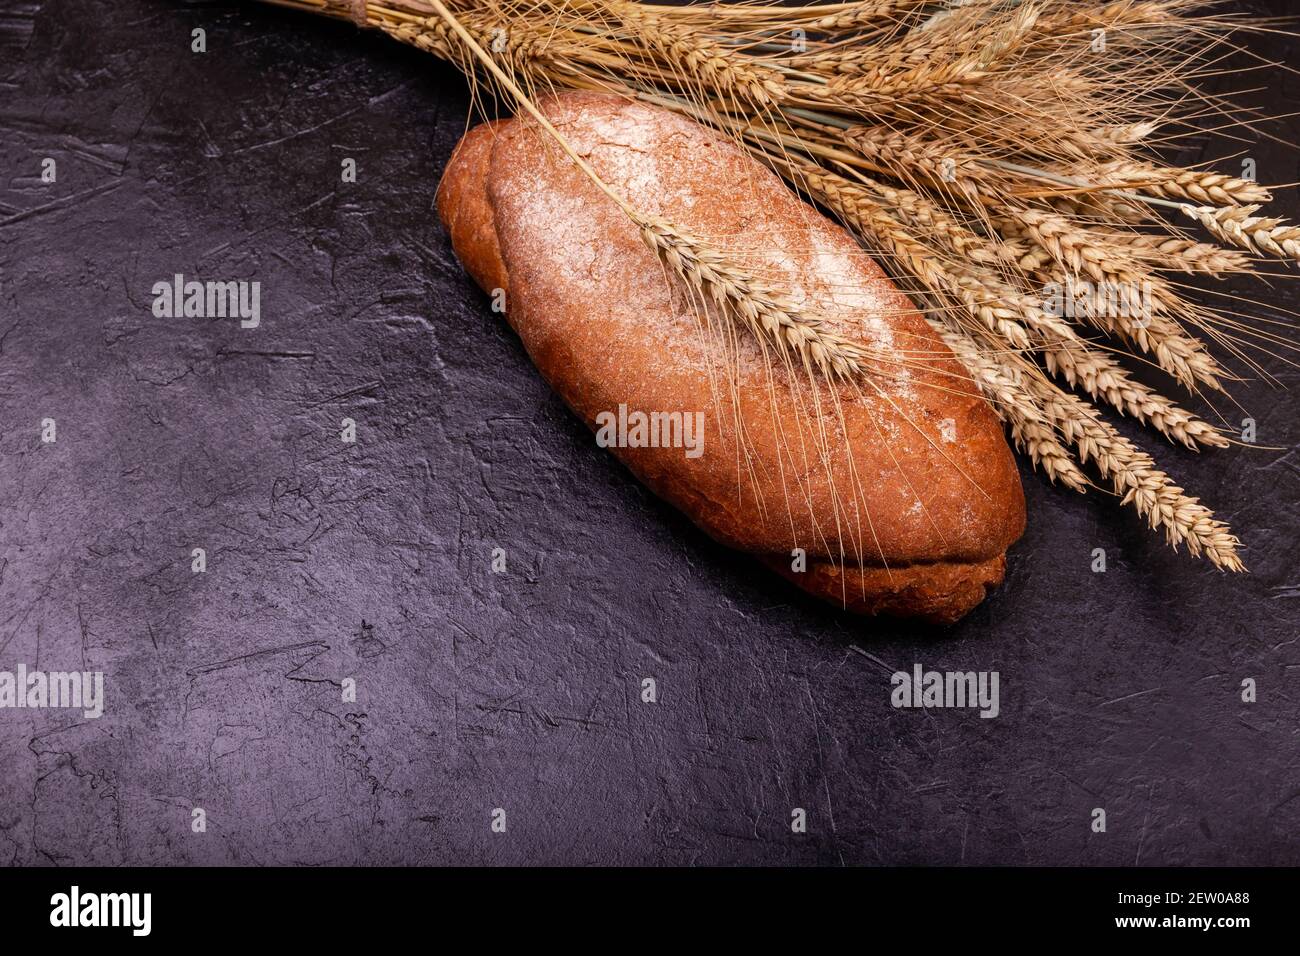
(1119, 690)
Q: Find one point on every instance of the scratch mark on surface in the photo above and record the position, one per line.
(57, 204)
(1140, 693)
(821, 768)
(203, 669)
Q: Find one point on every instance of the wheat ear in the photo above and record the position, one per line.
(767, 314)
(1204, 188)
(1239, 226)
(701, 61)
(1135, 477)
(1016, 317)
(1003, 385)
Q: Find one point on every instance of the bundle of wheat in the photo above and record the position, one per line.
(998, 157)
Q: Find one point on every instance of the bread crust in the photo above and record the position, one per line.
(902, 493)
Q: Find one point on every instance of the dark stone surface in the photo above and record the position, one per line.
(518, 690)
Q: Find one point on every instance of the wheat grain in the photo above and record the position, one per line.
(1126, 134)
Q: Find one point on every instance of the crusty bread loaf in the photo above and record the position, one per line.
(900, 490)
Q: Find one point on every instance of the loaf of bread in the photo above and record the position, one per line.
(897, 494)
